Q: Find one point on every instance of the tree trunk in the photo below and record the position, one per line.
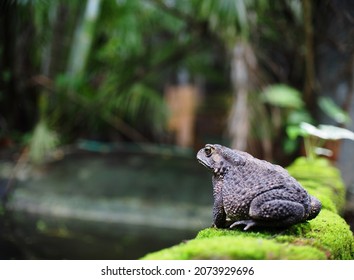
(243, 62)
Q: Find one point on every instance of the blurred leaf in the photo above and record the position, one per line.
(298, 116)
(308, 129)
(326, 132)
(43, 141)
(290, 146)
(333, 110)
(336, 133)
(323, 151)
(6, 75)
(41, 226)
(294, 131)
(283, 96)
(140, 104)
(228, 18)
(64, 81)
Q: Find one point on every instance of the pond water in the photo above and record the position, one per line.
(116, 205)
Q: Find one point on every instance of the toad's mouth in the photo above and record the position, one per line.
(204, 164)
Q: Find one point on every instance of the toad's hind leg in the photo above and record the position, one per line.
(277, 212)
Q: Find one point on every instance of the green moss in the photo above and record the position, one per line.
(328, 232)
(326, 237)
(237, 247)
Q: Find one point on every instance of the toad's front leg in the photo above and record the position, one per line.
(219, 215)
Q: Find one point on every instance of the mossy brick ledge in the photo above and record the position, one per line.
(326, 237)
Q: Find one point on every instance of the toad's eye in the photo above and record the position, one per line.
(208, 151)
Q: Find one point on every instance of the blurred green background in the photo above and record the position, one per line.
(150, 82)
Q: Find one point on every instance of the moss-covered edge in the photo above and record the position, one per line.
(326, 237)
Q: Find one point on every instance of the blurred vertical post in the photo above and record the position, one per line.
(243, 61)
(182, 100)
(83, 38)
(309, 55)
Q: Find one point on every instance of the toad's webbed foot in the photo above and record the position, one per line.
(248, 223)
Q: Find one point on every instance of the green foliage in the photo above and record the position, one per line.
(228, 17)
(326, 132)
(297, 122)
(118, 83)
(315, 137)
(297, 119)
(332, 110)
(231, 20)
(41, 226)
(283, 96)
(140, 104)
(42, 142)
(288, 111)
(137, 47)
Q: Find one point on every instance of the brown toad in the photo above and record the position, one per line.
(252, 192)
